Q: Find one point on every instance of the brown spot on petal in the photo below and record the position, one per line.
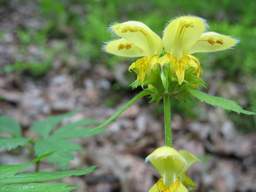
(124, 46)
(120, 46)
(183, 26)
(129, 29)
(211, 41)
(133, 30)
(219, 41)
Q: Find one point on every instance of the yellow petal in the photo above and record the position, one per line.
(179, 68)
(143, 66)
(140, 67)
(194, 62)
(176, 186)
(181, 34)
(124, 48)
(211, 42)
(164, 59)
(139, 34)
(158, 187)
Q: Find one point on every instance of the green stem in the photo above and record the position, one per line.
(121, 110)
(167, 120)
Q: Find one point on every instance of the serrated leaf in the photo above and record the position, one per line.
(45, 176)
(220, 102)
(9, 125)
(76, 132)
(11, 180)
(77, 129)
(10, 170)
(62, 150)
(37, 187)
(79, 123)
(12, 143)
(45, 126)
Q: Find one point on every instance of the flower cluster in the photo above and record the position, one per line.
(168, 61)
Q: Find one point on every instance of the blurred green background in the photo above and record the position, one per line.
(80, 27)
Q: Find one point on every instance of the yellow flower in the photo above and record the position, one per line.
(170, 163)
(136, 40)
(182, 37)
(176, 186)
(186, 35)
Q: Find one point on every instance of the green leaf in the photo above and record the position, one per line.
(37, 187)
(10, 170)
(45, 176)
(220, 102)
(45, 126)
(12, 180)
(58, 141)
(79, 123)
(12, 143)
(9, 125)
(77, 130)
(62, 150)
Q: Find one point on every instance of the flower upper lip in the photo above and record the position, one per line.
(183, 35)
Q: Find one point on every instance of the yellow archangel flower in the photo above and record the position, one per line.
(182, 37)
(172, 166)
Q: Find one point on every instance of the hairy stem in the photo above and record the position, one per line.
(167, 120)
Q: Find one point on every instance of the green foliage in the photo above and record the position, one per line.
(11, 170)
(38, 63)
(10, 134)
(44, 127)
(53, 138)
(39, 187)
(12, 143)
(220, 102)
(33, 69)
(54, 143)
(56, 11)
(62, 150)
(44, 176)
(59, 139)
(14, 179)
